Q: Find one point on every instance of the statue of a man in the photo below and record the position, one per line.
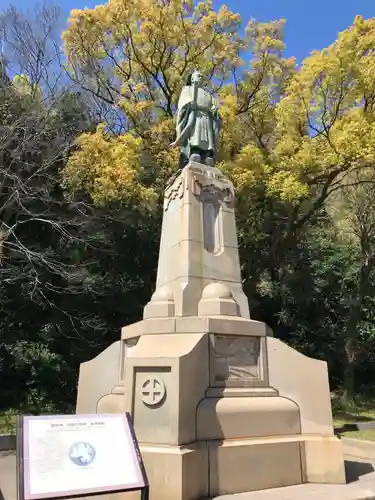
(198, 123)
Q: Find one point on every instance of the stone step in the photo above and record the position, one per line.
(360, 473)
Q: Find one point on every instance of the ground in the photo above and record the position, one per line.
(363, 412)
(7, 423)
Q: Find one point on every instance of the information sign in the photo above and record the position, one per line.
(64, 456)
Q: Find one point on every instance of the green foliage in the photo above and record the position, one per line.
(77, 265)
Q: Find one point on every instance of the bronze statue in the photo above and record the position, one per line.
(198, 123)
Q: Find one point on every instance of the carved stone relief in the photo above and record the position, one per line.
(235, 358)
(175, 191)
(211, 227)
(153, 391)
(212, 193)
(207, 184)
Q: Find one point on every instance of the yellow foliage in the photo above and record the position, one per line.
(108, 168)
(292, 130)
(143, 37)
(247, 169)
(136, 56)
(23, 85)
(325, 121)
(286, 186)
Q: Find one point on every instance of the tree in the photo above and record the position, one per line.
(135, 56)
(40, 230)
(80, 228)
(352, 212)
(39, 233)
(31, 49)
(321, 155)
(71, 274)
(292, 138)
(325, 120)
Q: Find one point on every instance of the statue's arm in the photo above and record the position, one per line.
(216, 123)
(184, 126)
(184, 117)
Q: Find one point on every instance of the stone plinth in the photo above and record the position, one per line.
(219, 406)
(198, 244)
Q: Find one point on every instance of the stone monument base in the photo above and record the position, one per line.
(245, 422)
(218, 405)
(235, 466)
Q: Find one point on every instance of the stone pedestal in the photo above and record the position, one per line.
(198, 243)
(219, 406)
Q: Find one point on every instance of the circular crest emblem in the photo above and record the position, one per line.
(153, 391)
(82, 454)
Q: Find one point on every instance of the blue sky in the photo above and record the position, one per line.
(310, 25)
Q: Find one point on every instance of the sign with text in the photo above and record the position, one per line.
(63, 456)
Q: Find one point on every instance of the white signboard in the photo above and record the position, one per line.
(75, 455)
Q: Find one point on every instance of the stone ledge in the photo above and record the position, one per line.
(240, 392)
(225, 325)
(306, 491)
(357, 448)
(7, 442)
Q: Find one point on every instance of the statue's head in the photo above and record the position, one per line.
(195, 77)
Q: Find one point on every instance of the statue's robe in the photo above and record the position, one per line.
(197, 129)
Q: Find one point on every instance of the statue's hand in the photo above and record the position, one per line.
(215, 106)
(173, 144)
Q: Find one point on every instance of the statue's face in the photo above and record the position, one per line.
(197, 77)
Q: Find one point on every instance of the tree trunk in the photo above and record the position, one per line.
(348, 396)
(356, 304)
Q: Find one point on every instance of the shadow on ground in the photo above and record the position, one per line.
(354, 470)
